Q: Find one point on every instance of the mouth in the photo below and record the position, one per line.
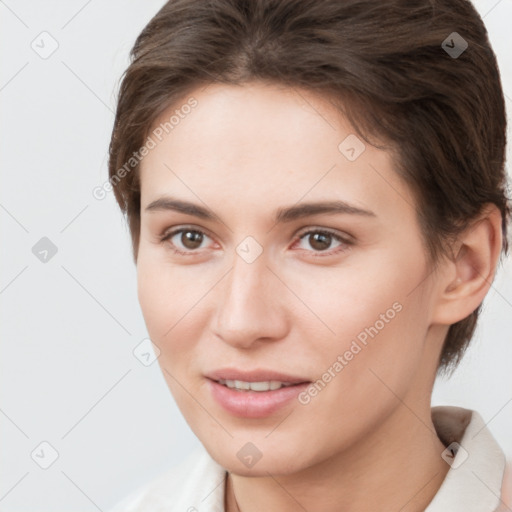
(261, 386)
(255, 394)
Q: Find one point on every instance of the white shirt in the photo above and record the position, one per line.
(472, 484)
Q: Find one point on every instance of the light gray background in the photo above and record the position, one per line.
(69, 326)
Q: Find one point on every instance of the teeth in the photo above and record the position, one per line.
(238, 384)
(241, 385)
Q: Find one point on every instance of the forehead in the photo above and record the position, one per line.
(253, 122)
(258, 144)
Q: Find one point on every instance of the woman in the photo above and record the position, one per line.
(316, 197)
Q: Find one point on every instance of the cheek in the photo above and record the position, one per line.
(340, 303)
(152, 297)
(163, 289)
(362, 370)
(166, 297)
(371, 317)
(166, 307)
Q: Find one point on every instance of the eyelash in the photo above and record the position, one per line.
(345, 241)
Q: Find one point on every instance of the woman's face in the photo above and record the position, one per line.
(339, 298)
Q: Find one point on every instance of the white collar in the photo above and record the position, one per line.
(472, 484)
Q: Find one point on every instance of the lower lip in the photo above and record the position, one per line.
(254, 404)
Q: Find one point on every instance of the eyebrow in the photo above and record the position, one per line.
(282, 215)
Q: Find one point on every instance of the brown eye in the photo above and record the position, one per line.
(187, 240)
(191, 239)
(321, 242)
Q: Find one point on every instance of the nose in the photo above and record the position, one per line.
(250, 306)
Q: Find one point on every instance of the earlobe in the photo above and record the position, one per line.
(472, 270)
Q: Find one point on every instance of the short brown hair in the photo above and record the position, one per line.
(386, 65)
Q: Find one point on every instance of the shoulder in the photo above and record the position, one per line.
(196, 482)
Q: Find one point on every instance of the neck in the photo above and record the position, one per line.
(397, 467)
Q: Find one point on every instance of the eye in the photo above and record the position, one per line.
(190, 240)
(321, 239)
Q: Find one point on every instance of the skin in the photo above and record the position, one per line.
(366, 441)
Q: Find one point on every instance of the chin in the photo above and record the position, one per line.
(273, 460)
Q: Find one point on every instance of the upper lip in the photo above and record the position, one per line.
(254, 376)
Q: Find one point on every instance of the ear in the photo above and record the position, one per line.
(470, 273)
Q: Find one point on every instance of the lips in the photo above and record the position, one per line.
(254, 376)
(254, 404)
